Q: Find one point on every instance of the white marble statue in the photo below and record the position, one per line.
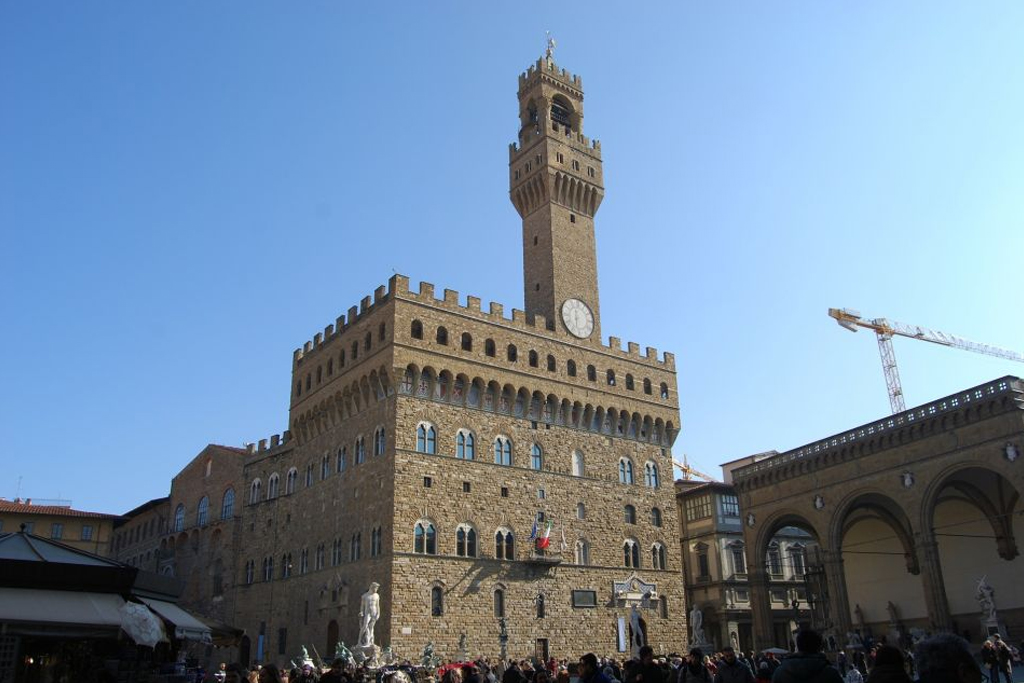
(369, 612)
(986, 597)
(696, 626)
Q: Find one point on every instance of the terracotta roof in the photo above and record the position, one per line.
(230, 448)
(52, 510)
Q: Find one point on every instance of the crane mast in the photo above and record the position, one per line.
(886, 329)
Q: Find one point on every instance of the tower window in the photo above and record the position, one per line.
(536, 287)
(570, 368)
(591, 172)
(442, 336)
(664, 390)
(467, 341)
(551, 363)
(572, 218)
(561, 158)
(355, 350)
(611, 378)
(647, 386)
(575, 165)
(560, 113)
(489, 348)
(367, 341)
(629, 382)
(534, 240)
(517, 174)
(533, 358)
(591, 373)
(513, 353)
(538, 159)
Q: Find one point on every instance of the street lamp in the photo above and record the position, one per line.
(503, 638)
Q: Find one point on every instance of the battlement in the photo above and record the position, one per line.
(381, 295)
(398, 287)
(577, 141)
(547, 67)
(275, 440)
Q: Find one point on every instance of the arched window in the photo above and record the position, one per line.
(341, 359)
(655, 517)
(540, 605)
(416, 332)
(227, 506)
(290, 480)
(502, 451)
(319, 374)
(577, 464)
(379, 441)
(286, 566)
(489, 349)
(360, 451)
(513, 353)
(442, 336)
(465, 541)
(426, 438)
(273, 485)
(570, 368)
(651, 475)
(325, 466)
(342, 460)
(664, 390)
(631, 554)
(582, 552)
(425, 538)
(536, 458)
(179, 517)
(465, 445)
(499, 603)
(581, 511)
(611, 378)
(504, 545)
(367, 341)
(629, 382)
(467, 341)
(551, 363)
(591, 373)
(381, 332)
(798, 560)
(254, 491)
(626, 471)
(657, 556)
(250, 572)
(533, 359)
(647, 386)
(355, 350)
(203, 511)
(629, 514)
(436, 602)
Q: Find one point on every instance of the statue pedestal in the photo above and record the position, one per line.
(367, 655)
(705, 647)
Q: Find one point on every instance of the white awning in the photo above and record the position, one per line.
(185, 625)
(60, 608)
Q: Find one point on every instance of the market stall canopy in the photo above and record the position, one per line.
(185, 625)
(27, 611)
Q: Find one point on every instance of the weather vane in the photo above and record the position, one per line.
(549, 53)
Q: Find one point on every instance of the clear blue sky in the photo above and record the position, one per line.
(190, 190)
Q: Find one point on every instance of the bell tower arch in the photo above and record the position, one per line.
(556, 183)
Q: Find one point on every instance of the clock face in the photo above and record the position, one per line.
(577, 318)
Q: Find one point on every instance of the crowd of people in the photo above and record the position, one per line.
(944, 658)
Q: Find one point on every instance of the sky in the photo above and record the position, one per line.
(189, 191)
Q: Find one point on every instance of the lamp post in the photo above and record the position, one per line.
(503, 638)
(796, 620)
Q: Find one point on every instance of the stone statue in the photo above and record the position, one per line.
(369, 612)
(696, 626)
(638, 632)
(986, 597)
(342, 652)
(894, 617)
(858, 615)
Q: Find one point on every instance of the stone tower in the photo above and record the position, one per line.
(556, 185)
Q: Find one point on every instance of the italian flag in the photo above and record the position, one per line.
(544, 540)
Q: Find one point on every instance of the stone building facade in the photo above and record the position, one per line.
(433, 441)
(715, 568)
(88, 531)
(917, 515)
(140, 535)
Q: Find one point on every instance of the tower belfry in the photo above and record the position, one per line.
(556, 184)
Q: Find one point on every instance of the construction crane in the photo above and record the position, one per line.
(885, 329)
(688, 471)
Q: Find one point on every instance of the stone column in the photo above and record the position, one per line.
(934, 585)
(838, 597)
(760, 606)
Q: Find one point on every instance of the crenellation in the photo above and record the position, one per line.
(497, 310)
(398, 284)
(615, 344)
(328, 332)
(339, 323)
(652, 353)
(307, 347)
(379, 295)
(426, 290)
(519, 316)
(451, 296)
(633, 348)
(318, 339)
(364, 305)
(473, 303)
(353, 314)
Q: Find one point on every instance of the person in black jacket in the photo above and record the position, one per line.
(732, 669)
(808, 664)
(693, 669)
(890, 667)
(946, 658)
